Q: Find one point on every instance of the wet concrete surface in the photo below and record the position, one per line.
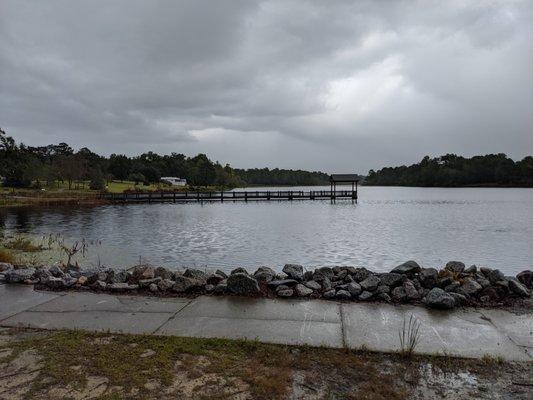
(468, 333)
(463, 333)
(315, 323)
(17, 298)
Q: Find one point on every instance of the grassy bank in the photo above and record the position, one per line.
(79, 193)
(68, 364)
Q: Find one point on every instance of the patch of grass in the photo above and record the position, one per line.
(489, 359)
(23, 244)
(409, 336)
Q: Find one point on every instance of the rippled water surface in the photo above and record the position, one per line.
(485, 226)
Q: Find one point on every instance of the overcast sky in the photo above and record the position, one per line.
(338, 86)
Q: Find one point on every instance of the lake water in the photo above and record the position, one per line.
(389, 225)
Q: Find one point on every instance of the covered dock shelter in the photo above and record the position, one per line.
(344, 179)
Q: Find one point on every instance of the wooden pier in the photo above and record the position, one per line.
(248, 195)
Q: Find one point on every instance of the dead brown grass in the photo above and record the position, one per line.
(6, 256)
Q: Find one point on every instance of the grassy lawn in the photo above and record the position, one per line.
(59, 192)
(73, 364)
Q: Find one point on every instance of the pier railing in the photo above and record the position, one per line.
(248, 195)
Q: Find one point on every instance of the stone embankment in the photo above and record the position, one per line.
(452, 286)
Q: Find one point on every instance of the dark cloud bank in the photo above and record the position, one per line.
(336, 85)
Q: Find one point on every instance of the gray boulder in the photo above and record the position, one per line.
(484, 282)
(308, 275)
(428, 277)
(384, 297)
(163, 273)
(341, 275)
(330, 294)
(495, 275)
(56, 271)
(185, 284)
(361, 274)
(142, 272)
(410, 290)
(471, 270)
(453, 287)
(239, 270)
(517, 288)
(95, 276)
(153, 287)
(302, 291)
(99, 285)
(282, 287)
(398, 294)
(343, 295)
(53, 282)
(323, 272)
(408, 267)
(214, 279)
(326, 284)
(221, 273)
(526, 278)
(145, 283)
(69, 281)
(120, 276)
(458, 298)
(195, 273)
(365, 296)
(383, 289)
(19, 275)
(391, 279)
(455, 266)
(313, 285)
(470, 287)
(265, 270)
(165, 284)
(371, 283)
(221, 288)
(438, 298)
(122, 287)
(242, 284)
(42, 274)
(354, 288)
(264, 277)
(294, 271)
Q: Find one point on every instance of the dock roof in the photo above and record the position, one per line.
(344, 178)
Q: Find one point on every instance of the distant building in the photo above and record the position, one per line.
(174, 181)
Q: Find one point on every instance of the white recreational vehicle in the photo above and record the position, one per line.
(174, 181)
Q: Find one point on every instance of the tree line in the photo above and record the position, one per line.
(283, 177)
(29, 166)
(453, 170)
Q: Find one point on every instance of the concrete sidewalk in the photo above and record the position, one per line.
(470, 333)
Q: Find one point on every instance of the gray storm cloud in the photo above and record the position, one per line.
(336, 85)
